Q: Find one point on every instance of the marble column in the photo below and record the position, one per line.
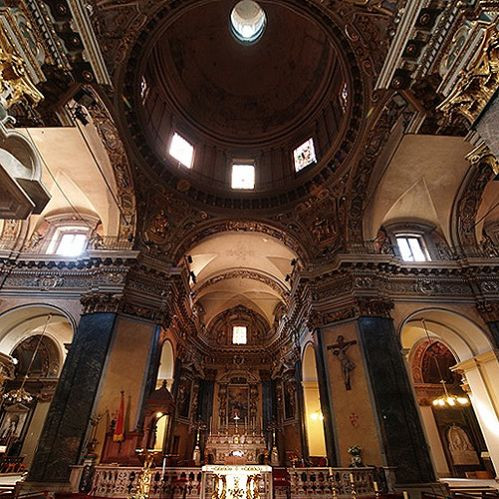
(401, 431)
(67, 421)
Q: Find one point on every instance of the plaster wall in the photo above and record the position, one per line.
(126, 369)
(352, 410)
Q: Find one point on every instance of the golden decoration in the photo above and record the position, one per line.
(15, 84)
(477, 85)
(144, 481)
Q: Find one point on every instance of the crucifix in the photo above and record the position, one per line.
(347, 365)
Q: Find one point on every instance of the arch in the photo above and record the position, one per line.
(20, 329)
(467, 205)
(473, 350)
(194, 238)
(19, 323)
(460, 334)
(314, 424)
(166, 365)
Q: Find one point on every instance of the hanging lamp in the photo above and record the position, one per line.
(21, 395)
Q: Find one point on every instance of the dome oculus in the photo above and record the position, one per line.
(248, 21)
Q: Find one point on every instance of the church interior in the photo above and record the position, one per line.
(249, 249)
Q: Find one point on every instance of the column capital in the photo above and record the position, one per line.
(489, 310)
(361, 306)
(95, 302)
(374, 307)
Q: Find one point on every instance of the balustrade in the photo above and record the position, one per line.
(305, 482)
(186, 483)
(111, 481)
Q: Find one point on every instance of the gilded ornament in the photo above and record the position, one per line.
(15, 84)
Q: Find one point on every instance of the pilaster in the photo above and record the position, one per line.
(400, 426)
(65, 427)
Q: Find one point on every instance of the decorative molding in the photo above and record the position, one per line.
(271, 282)
(477, 84)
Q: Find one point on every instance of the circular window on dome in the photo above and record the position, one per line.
(248, 21)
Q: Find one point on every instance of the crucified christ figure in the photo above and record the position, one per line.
(347, 365)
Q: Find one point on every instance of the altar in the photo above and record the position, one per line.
(237, 482)
(233, 448)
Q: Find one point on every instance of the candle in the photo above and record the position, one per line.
(351, 478)
(375, 485)
(163, 468)
(330, 471)
(405, 494)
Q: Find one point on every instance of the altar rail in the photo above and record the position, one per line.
(121, 481)
(185, 483)
(322, 482)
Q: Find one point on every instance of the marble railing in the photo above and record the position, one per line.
(114, 481)
(327, 482)
(186, 483)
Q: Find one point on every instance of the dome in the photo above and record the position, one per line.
(278, 105)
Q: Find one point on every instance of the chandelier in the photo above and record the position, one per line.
(21, 395)
(447, 399)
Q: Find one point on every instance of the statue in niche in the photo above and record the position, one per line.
(460, 447)
(347, 365)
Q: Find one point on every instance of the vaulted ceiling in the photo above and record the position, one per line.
(247, 269)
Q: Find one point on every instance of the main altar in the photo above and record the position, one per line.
(237, 481)
(234, 448)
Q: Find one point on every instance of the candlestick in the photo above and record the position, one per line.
(163, 468)
(352, 485)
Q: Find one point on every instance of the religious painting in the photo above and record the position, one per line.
(237, 400)
(184, 398)
(460, 447)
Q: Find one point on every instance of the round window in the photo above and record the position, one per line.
(248, 21)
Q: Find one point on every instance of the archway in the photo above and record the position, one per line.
(454, 339)
(35, 337)
(314, 424)
(166, 366)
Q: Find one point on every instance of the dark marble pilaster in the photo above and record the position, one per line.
(64, 431)
(402, 435)
(489, 310)
(205, 401)
(325, 401)
(152, 373)
(494, 330)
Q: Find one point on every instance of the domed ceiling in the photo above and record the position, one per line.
(243, 102)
